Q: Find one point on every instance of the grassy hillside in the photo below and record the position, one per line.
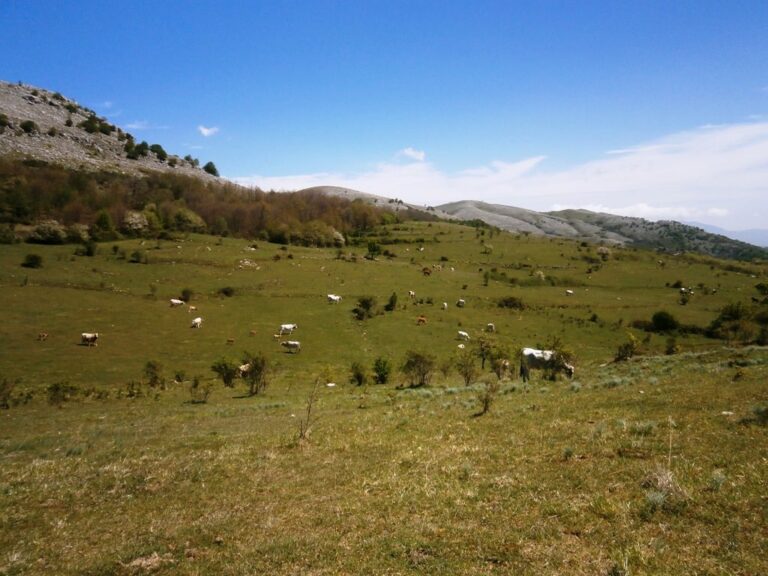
(651, 466)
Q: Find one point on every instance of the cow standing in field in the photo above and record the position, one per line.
(292, 346)
(176, 302)
(543, 360)
(460, 303)
(197, 322)
(461, 335)
(287, 328)
(334, 298)
(89, 339)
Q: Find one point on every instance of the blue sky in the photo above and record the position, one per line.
(654, 109)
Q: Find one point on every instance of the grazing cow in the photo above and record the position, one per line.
(42, 336)
(569, 292)
(276, 336)
(89, 338)
(197, 322)
(542, 359)
(191, 309)
(176, 302)
(460, 303)
(334, 298)
(287, 328)
(411, 294)
(461, 335)
(293, 346)
(243, 369)
(444, 306)
(490, 327)
(426, 271)
(421, 320)
(230, 341)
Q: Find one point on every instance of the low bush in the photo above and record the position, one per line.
(32, 261)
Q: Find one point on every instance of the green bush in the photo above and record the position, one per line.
(512, 302)
(663, 321)
(227, 371)
(418, 368)
(29, 127)
(32, 261)
(381, 370)
(357, 374)
(210, 167)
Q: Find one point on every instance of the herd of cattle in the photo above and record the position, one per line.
(530, 358)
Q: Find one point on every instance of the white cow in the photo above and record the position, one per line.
(490, 327)
(460, 302)
(569, 292)
(293, 346)
(411, 294)
(334, 298)
(444, 306)
(243, 369)
(542, 359)
(287, 328)
(196, 322)
(89, 338)
(176, 302)
(461, 335)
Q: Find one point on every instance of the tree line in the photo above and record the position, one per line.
(111, 205)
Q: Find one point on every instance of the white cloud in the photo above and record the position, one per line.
(717, 174)
(143, 125)
(412, 154)
(207, 131)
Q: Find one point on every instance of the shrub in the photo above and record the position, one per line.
(227, 371)
(3, 121)
(367, 307)
(29, 127)
(48, 232)
(210, 167)
(200, 391)
(511, 302)
(258, 375)
(391, 304)
(32, 261)
(487, 395)
(60, 392)
(186, 294)
(357, 374)
(626, 350)
(418, 368)
(381, 370)
(663, 321)
(153, 372)
(6, 392)
(227, 291)
(466, 367)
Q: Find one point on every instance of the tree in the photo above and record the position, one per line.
(418, 368)
(227, 371)
(210, 167)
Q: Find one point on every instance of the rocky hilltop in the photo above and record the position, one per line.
(43, 125)
(590, 226)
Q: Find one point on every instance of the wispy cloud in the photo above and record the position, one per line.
(412, 154)
(715, 173)
(143, 125)
(205, 131)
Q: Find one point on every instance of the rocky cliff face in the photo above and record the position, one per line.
(43, 125)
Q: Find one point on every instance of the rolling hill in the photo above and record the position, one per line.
(666, 235)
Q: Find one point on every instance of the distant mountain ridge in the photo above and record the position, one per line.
(665, 235)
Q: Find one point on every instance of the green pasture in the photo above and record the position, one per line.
(652, 466)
